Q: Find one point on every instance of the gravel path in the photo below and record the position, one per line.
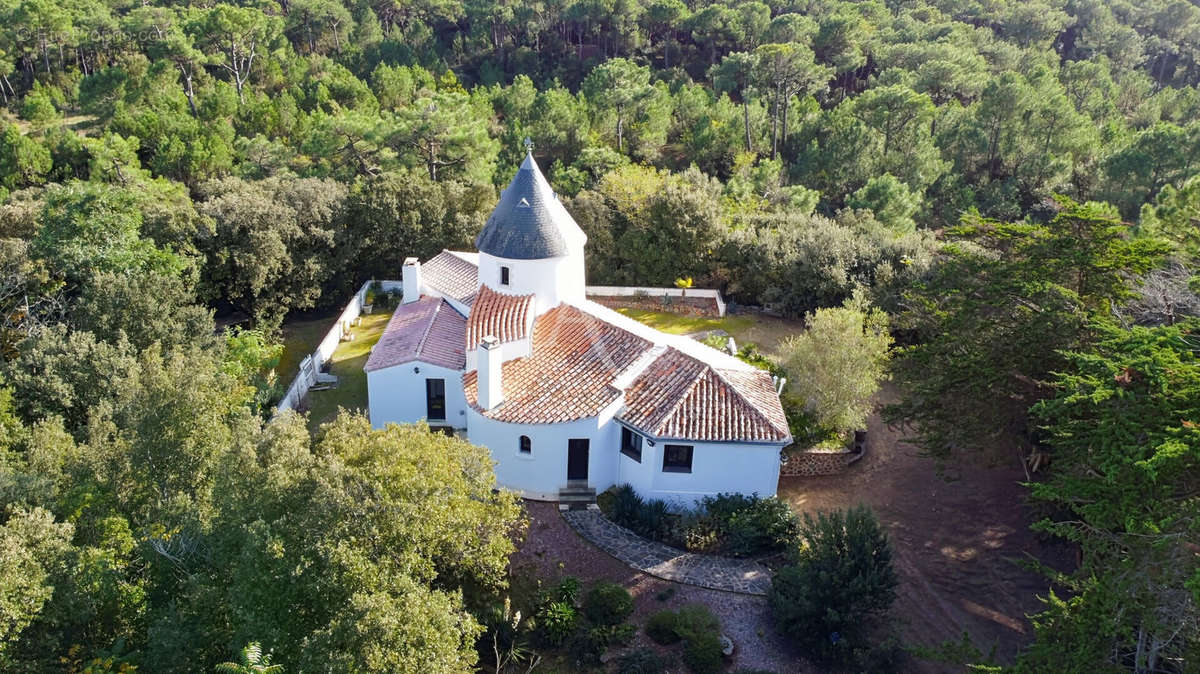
(552, 550)
(663, 561)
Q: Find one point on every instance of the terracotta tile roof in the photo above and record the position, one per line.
(452, 274)
(505, 317)
(428, 330)
(678, 396)
(569, 375)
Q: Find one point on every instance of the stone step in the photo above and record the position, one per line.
(576, 496)
(588, 496)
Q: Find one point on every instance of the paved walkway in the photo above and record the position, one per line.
(656, 559)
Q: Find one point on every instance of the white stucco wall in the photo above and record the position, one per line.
(543, 472)
(397, 394)
(553, 280)
(716, 468)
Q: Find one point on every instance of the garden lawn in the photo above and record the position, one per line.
(300, 338)
(347, 363)
(767, 332)
(676, 324)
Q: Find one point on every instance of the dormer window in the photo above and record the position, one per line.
(504, 276)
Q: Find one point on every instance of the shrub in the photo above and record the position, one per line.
(663, 627)
(696, 619)
(648, 519)
(589, 645)
(727, 523)
(654, 520)
(702, 653)
(556, 621)
(841, 580)
(750, 525)
(567, 590)
(607, 604)
(625, 506)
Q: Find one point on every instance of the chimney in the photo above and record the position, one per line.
(488, 366)
(411, 280)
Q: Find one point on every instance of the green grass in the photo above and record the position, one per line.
(300, 338)
(676, 324)
(347, 363)
(768, 332)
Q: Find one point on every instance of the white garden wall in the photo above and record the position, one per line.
(305, 377)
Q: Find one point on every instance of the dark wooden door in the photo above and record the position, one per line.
(435, 399)
(577, 459)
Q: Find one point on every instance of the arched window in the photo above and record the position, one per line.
(526, 445)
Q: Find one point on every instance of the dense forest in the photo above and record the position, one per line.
(1017, 184)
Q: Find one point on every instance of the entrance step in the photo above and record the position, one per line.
(576, 496)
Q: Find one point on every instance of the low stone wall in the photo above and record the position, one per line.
(807, 463)
(706, 307)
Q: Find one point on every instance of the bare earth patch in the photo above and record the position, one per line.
(957, 538)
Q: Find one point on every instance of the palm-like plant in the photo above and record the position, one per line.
(252, 662)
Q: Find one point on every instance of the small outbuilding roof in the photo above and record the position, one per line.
(428, 330)
(453, 274)
(529, 223)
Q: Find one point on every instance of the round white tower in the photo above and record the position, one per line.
(531, 244)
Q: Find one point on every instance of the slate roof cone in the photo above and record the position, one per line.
(530, 222)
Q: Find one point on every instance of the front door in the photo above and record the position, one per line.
(435, 399)
(577, 459)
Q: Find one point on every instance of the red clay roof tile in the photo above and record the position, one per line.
(451, 275)
(678, 396)
(569, 375)
(505, 317)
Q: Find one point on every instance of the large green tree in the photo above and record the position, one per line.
(994, 314)
(1123, 428)
(269, 251)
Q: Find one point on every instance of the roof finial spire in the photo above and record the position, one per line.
(528, 145)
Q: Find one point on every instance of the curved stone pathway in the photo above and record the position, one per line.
(663, 561)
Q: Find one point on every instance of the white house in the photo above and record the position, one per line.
(567, 394)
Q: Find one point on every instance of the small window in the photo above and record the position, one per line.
(631, 444)
(677, 458)
(504, 276)
(526, 445)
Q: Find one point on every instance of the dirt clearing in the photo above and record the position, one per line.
(958, 540)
